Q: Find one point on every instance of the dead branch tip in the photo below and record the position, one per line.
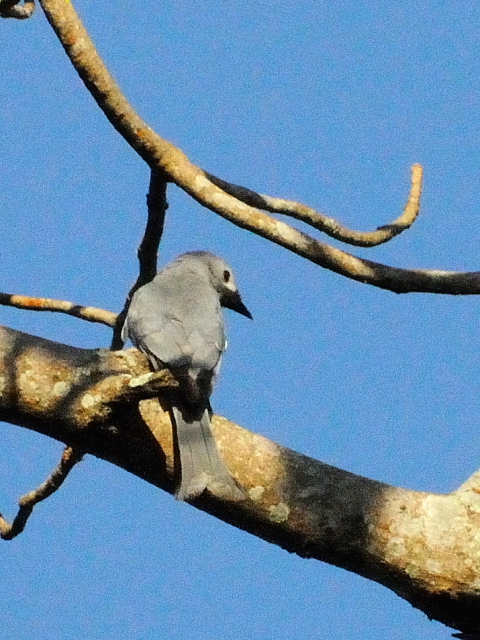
(15, 9)
(69, 459)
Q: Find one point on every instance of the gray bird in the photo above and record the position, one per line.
(176, 320)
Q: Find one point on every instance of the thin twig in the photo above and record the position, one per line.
(157, 206)
(329, 225)
(69, 459)
(13, 9)
(91, 314)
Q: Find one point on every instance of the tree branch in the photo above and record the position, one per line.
(329, 225)
(148, 250)
(425, 547)
(69, 459)
(160, 153)
(157, 206)
(91, 314)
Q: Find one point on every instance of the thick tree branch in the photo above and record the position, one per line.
(425, 547)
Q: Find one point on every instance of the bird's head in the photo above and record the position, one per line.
(223, 280)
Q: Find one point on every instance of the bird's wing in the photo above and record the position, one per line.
(185, 330)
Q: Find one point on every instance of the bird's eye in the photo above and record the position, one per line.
(226, 275)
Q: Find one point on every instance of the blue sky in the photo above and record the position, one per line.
(328, 103)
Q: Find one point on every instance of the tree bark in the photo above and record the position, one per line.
(425, 547)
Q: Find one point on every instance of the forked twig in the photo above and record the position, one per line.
(70, 457)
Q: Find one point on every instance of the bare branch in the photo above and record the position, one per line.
(157, 207)
(148, 250)
(160, 153)
(69, 459)
(14, 9)
(91, 314)
(329, 225)
(424, 547)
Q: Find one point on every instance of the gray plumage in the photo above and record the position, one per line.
(176, 320)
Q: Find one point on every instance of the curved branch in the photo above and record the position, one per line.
(423, 546)
(160, 153)
(329, 225)
(91, 314)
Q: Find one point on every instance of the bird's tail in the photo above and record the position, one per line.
(201, 464)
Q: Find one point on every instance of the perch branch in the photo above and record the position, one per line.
(98, 404)
(91, 314)
(69, 459)
(329, 225)
(157, 206)
(423, 546)
(14, 9)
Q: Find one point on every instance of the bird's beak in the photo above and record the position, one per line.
(234, 301)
